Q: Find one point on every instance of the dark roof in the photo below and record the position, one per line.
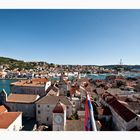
(58, 108)
(134, 129)
(123, 111)
(22, 98)
(104, 111)
(55, 89)
(54, 100)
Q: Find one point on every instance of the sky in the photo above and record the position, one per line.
(81, 37)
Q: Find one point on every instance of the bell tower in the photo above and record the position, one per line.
(59, 117)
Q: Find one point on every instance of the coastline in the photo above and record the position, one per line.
(13, 78)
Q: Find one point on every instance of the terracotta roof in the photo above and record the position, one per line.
(54, 100)
(7, 118)
(32, 82)
(2, 109)
(42, 80)
(58, 108)
(123, 111)
(73, 89)
(22, 98)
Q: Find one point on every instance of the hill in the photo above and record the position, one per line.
(126, 67)
(13, 63)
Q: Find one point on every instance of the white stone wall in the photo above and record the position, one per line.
(133, 123)
(119, 124)
(48, 84)
(68, 110)
(28, 110)
(15, 126)
(45, 115)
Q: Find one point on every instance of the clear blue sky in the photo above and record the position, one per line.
(71, 36)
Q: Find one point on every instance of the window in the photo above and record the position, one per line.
(67, 107)
(48, 106)
(38, 111)
(14, 128)
(38, 105)
(73, 103)
(47, 119)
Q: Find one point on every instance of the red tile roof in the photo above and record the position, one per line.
(7, 118)
(118, 107)
(33, 82)
(41, 80)
(123, 111)
(73, 89)
(2, 109)
(58, 108)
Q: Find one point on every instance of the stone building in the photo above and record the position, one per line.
(10, 121)
(123, 118)
(36, 86)
(46, 105)
(23, 103)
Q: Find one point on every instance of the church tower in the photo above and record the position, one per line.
(62, 86)
(59, 117)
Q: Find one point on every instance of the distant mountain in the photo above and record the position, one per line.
(122, 66)
(11, 64)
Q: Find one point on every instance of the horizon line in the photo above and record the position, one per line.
(65, 64)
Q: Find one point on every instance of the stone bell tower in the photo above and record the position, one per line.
(59, 117)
